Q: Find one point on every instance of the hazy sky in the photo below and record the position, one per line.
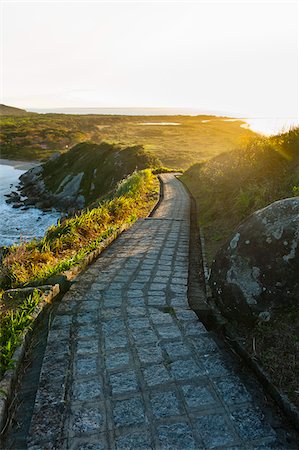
(226, 56)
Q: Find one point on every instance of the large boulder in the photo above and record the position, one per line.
(257, 271)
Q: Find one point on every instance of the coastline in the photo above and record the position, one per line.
(17, 164)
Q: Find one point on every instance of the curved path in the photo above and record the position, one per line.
(128, 365)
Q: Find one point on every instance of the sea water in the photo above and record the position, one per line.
(17, 225)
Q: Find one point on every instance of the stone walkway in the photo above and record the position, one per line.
(129, 366)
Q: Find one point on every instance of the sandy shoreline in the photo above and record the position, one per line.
(21, 165)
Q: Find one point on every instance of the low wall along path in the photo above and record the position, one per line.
(128, 365)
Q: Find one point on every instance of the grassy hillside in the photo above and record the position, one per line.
(11, 110)
(232, 185)
(178, 141)
(102, 166)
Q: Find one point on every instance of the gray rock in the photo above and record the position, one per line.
(256, 272)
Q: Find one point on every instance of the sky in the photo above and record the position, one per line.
(234, 57)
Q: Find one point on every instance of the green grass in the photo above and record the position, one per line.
(231, 186)
(13, 324)
(66, 244)
(38, 136)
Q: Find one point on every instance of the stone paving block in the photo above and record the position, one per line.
(84, 366)
(117, 360)
(53, 445)
(87, 331)
(112, 293)
(136, 311)
(87, 318)
(177, 436)
(61, 334)
(179, 301)
(156, 374)
(88, 306)
(251, 423)
(204, 345)
(136, 287)
(98, 442)
(169, 332)
(115, 302)
(139, 323)
(195, 328)
(158, 287)
(116, 287)
(178, 289)
(232, 390)
(161, 317)
(216, 366)
(112, 325)
(135, 293)
(111, 313)
(160, 279)
(215, 430)
(55, 370)
(61, 321)
(156, 300)
(144, 336)
(57, 353)
(45, 424)
(50, 392)
(87, 390)
(123, 382)
(86, 419)
(67, 307)
(176, 349)
(198, 396)
(136, 301)
(145, 273)
(185, 314)
(116, 340)
(186, 368)
(151, 354)
(164, 404)
(129, 412)
(134, 441)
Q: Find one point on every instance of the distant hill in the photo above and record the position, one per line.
(11, 111)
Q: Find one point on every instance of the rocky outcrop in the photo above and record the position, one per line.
(33, 192)
(256, 272)
(78, 177)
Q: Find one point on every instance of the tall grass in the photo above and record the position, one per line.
(13, 323)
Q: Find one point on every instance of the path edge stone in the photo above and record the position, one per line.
(9, 380)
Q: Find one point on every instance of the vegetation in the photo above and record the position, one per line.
(66, 244)
(14, 322)
(276, 343)
(102, 166)
(233, 185)
(227, 189)
(177, 141)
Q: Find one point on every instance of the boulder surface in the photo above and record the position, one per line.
(257, 271)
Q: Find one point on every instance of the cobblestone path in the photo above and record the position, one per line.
(129, 366)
